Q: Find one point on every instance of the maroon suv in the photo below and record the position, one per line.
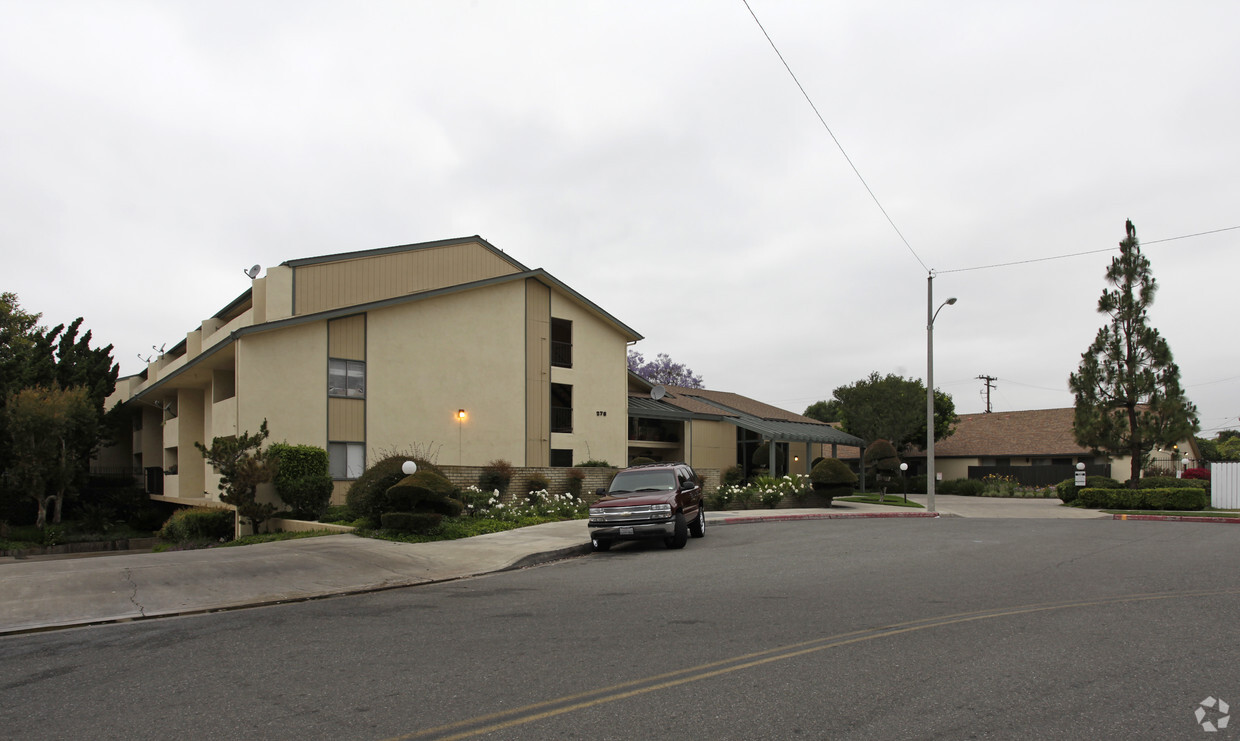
(657, 500)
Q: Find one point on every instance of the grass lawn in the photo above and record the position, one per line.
(891, 500)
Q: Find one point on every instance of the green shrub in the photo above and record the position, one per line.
(961, 487)
(594, 464)
(537, 482)
(1181, 499)
(762, 456)
(641, 461)
(917, 484)
(424, 491)
(495, 476)
(1171, 482)
(832, 478)
(197, 524)
(576, 480)
(303, 479)
(410, 522)
(733, 476)
(831, 473)
(367, 496)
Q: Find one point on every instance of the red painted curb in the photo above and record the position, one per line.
(824, 516)
(1178, 518)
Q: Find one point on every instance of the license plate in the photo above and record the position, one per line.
(626, 531)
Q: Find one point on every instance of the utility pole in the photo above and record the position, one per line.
(989, 380)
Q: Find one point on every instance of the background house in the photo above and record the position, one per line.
(1037, 447)
(451, 349)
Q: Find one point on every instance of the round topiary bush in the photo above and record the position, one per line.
(424, 491)
(832, 478)
(367, 496)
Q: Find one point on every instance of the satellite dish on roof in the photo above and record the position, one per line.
(658, 392)
(253, 271)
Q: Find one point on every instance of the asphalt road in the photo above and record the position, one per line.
(840, 629)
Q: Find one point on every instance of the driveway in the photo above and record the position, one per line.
(946, 504)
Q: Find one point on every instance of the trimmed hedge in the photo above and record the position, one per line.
(1183, 499)
(410, 522)
(1068, 490)
(961, 487)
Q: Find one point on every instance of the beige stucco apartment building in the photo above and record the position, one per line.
(449, 348)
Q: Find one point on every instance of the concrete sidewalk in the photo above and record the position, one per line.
(46, 593)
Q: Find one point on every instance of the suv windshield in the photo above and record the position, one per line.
(643, 481)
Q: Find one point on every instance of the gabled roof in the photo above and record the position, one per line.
(1032, 433)
(303, 261)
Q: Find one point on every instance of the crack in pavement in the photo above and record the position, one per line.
(133, 597)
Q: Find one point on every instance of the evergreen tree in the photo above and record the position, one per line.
(1127, 388)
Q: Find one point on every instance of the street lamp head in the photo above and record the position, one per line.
(951, 300)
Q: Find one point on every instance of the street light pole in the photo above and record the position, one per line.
(931, 314)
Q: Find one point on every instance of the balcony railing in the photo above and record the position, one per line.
(562, 354)
(561, 419)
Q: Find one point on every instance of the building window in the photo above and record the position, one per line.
(346, 460)
(561, 407)
(561, 458)
(562, 343)
(346, 378)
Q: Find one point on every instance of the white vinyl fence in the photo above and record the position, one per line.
(1225, 485)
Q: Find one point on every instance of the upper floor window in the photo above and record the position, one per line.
(562, 343)
(346, 378)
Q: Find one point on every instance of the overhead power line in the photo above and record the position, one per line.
(823, 121)
(1087, 252)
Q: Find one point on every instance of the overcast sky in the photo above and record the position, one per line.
(658, 158)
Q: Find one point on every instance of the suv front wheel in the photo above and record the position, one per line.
(680, 535)
(698, 528)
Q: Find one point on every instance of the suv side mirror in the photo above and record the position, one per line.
(600, 491)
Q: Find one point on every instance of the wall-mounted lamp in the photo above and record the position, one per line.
(460, 437)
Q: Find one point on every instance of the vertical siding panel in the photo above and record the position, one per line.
(537, 374)
(347, 282)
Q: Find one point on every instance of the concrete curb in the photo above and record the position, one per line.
(815, 516)
(1179, 518)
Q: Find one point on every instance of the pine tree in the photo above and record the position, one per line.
(1128, 395)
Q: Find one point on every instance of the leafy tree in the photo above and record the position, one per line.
(881, 457)
(46, 427)
(664, 371)
(243, 465)
(824, 411)
(31, 356)
(1127, 388)
(893, 408)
